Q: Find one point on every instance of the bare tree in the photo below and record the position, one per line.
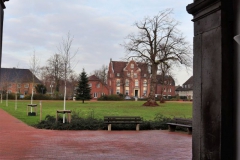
(64, 49)
(165, 73)
(34, 68)
(158, 42)
(55, 69)
(102, 73)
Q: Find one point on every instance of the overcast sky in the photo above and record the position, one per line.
(98, 27)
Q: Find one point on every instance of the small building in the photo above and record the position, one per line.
(186, 90)
(98, 88)
(165, 86)
(15, 80)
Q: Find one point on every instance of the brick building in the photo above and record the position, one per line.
(128, 78)
(165, 86)
(97, 87)
(186, 90)
(17, 80)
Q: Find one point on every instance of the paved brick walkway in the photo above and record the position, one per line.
(19, 141)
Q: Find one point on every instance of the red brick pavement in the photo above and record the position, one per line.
(21, 142)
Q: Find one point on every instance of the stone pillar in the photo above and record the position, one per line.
(213, 73)
(2, 7)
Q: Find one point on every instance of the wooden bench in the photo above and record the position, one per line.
(181, 122)
(63, 112)
(123, 120)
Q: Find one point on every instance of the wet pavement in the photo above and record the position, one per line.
(22, 142)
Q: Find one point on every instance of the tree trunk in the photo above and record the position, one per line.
(151, 97)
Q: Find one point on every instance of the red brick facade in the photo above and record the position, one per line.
(128, 78)
(14, 80)
(165, 86)
(97, 87)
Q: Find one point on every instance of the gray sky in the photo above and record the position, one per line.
(98, 27)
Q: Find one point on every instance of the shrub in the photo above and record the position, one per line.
(110, 98)
(90, 123)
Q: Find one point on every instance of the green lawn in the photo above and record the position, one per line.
(99, 109)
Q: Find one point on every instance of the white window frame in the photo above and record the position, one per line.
(118, 91)
(145, 83)
(26, 85)
(118, 82)
(132, 65)
(135, 75)
(95, 94)
(126, 82)
(98, 85)
(136, 83)
(126, 92)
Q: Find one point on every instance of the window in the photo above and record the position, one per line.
(132, 65)
(170, 90)
(103, 94)
(128, 74)
(145, 75)
(118, 91)
(90, 84)
(135, 75)
(98, 85)
(118, 82)
(126, 92)
(26, 85)
(18, 85)
(136, 83)
(118, 74)
(145, 92)
(95, 95)
(127, 82)
(145, 83)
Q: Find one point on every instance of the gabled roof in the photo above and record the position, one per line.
(17, 75)
(189, 81)
(118, 66)
(166, 78)
(93, 78)
(187, 86)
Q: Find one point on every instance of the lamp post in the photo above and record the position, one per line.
(51, 86)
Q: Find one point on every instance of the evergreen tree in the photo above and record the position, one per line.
(83, 90)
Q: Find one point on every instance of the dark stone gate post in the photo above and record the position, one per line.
(213, 72)
(2, 7)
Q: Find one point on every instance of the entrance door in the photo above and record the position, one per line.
(136, 93)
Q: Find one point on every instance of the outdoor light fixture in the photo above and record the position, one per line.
(237, 38)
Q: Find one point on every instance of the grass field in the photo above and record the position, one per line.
(98, 109)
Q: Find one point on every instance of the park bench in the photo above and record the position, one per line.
(122, 120)
(181, 122)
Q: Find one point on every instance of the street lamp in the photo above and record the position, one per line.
(51, 86)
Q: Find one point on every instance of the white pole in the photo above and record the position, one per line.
(40, 104)
(64, 103)
(7, 99)
(16, 101)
